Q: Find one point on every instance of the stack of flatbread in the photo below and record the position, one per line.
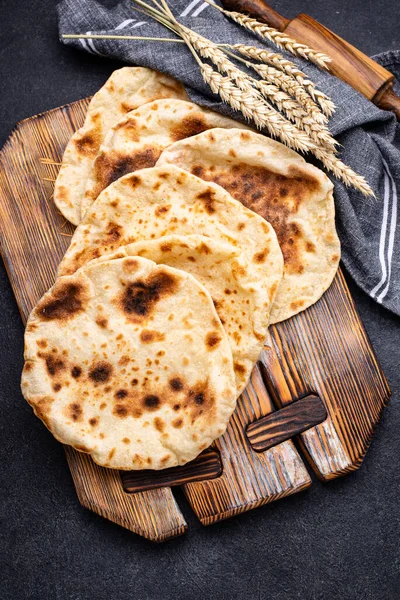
(194, 233)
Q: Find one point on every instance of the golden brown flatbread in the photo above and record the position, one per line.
(137, 140)
(152, 203)
(278, 184)
(125, 90)
(241, 298)
(128, 361)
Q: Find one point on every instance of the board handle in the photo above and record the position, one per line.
(206, 466)
(348, 64)
(286, 422)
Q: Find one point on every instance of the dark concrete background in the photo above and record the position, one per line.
(339, 540)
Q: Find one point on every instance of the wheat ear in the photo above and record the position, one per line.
(343, 172)
(278, 38)
(285, 103)
(209, 50)
(292, 108)
(265, 118)
(292, 87)
(252, 106)
(283, 64)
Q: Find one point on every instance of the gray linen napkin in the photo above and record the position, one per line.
(369, 229)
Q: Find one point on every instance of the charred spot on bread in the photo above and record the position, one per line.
(66, 300)
(140, 297)
(101, 372)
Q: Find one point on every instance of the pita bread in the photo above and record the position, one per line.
(136, 141)
(128, 361)
(125, 90)
(242, 303)
(152, 203)
(278, 184)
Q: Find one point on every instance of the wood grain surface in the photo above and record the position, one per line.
(249, 479)
(322, 351)
(348, 63)
(326, 350)
(34, 237)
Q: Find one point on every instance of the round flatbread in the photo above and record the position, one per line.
(152, 203)
(127, 360)
(136, 141)
(125, 90)
(241, 301)
(278, 184)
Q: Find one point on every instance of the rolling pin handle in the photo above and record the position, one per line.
(260, 10)
(388, 100)
(348, 64)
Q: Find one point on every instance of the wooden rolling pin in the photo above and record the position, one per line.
(348, 64)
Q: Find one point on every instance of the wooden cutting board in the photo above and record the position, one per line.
(317, 380)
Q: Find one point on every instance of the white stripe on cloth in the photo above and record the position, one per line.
(124, 24)
(92, 46)
(200, 9)
(382, 240)
(85, 46)
(189, 8)
(88, 44)
(392, 233)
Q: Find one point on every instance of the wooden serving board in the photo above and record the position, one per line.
(317, 379)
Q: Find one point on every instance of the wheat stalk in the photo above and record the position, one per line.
(278, 38)
(246, 94)
(283, 64)
(317, 132)
(252, 106)
(292, 87)
(209, 50)
(292, 109)
(107, 36)
(49, 161)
